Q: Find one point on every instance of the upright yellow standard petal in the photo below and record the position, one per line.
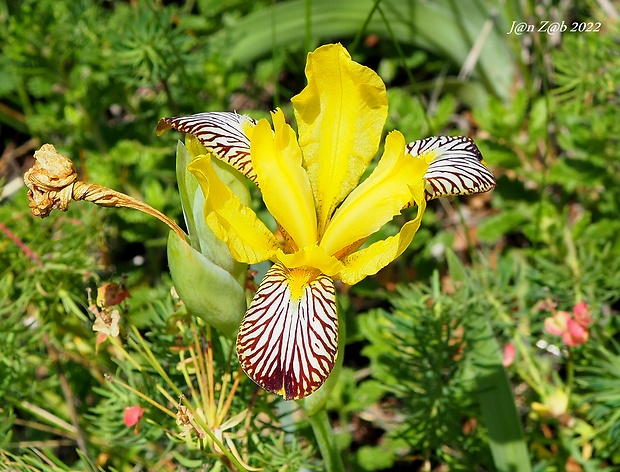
(283, 181)
(370, 260)
(247, 237)
(378, 199)
(340, 116)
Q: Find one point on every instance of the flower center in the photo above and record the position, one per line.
(299, 278)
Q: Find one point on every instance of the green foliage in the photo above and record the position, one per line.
(407, 23)
(69, 76)
(414, 354)
(43, 282)
(425, 357)
(283, 452)
(560, 160)
(601, 395)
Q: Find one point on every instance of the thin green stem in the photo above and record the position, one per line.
(314, 406)
(531, 373)
(362, 30)
(144, 397)
(276, 82)
(207, 430)
(470, 244)
(403, 63)
(570, 372)
(308, 25)
(140, 369)
(152, 360)
(324, 434)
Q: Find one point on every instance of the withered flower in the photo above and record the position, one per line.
(52, 183)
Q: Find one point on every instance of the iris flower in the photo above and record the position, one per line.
(310, 183)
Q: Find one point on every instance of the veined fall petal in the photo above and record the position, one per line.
(288, 339)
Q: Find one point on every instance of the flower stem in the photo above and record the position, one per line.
(570, 372)
(107, 197)
(324, 435)
(13, 237)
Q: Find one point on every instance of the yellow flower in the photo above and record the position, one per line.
(288, 339)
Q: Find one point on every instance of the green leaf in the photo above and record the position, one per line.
(572, 173)
(496, 400)
(499, 156)
(191, 464)
(375, 458)
(495, 227)
(410, 23)
(455, 266)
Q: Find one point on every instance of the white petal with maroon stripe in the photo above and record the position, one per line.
(288, 339)
(457, 168)
(222, 134)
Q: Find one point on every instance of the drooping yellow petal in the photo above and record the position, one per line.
(311, 256)
(283, 181)
(340, 117)
(378, 199)
(370, 260)
(247, 237)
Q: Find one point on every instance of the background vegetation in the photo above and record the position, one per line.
(93, 77)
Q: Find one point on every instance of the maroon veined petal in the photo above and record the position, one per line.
(288, 339)
(457, 169)
(221, 133)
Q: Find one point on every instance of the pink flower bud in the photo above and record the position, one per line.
(581, 314)
(575, 334)
(557, 323)
(509, 355)
(132, 415)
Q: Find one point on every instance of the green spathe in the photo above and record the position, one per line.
(208, 280)
(192, 201)
(207, 290)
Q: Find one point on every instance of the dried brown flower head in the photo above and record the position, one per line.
(50, 181)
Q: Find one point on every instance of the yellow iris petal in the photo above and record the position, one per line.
(247, 238)
(378, 199)
(370, 260)
(340, 116)
(276, 158)
(311, 256)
